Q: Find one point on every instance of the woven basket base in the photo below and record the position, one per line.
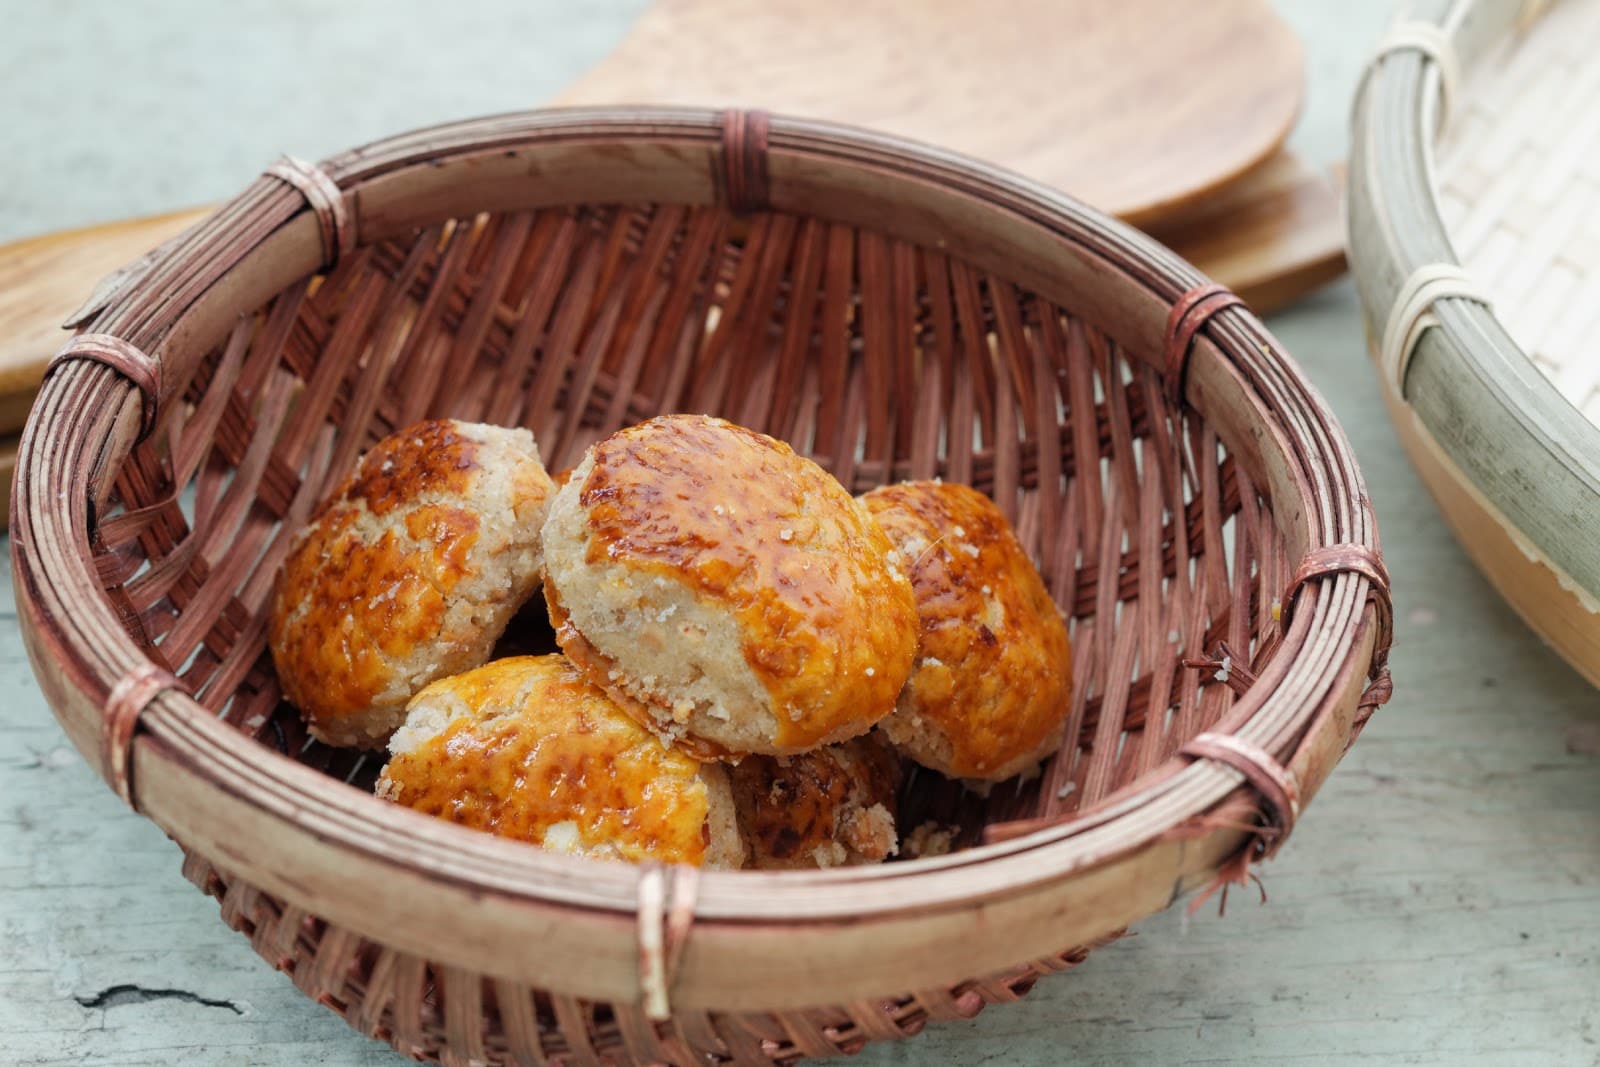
(410, 1002)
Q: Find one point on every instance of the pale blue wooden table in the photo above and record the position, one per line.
(1440, 903)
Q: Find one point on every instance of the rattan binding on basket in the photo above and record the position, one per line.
(1359, 559)
(1428, 40)
(126, 702)
(140, 371)
(1273, 782)
(744, 159)
(325, 201)
(893, 311)
(1189, 315)
(1331, 560)
(666, 914)
(1412, 313)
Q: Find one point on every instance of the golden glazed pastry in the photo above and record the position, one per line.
(526, 748)
(988, 696)
(408, 574)
(727, 591)
(831, 807)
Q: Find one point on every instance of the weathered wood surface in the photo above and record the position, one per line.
(1438, 904)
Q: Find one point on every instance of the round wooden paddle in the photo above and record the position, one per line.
(1138, 107)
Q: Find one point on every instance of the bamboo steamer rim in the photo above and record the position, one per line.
(245, 805)
(1505, 432)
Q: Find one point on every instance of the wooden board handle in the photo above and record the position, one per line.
(44, 279)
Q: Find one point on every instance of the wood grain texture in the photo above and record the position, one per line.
(8, 467)
(1100, 98)
(44, 279)
(1272, 235)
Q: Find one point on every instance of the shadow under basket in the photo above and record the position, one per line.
(890, 309)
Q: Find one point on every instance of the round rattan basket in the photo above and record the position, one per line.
(1475, 243)
(890, 309)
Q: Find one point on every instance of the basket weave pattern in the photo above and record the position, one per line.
(1519, 175)
(577, 322)
(882, 357)
(460, 1016)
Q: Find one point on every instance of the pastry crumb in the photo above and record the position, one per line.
(929, 839)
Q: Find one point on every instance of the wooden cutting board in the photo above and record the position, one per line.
(1138, 107)
(44, 279)
(8, 467)
(1272, 236)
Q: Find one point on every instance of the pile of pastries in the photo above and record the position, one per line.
(747, 653)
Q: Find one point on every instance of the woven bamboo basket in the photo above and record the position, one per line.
(889, 308)
(1474, 232)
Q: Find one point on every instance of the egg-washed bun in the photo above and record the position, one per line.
(526, 748)
(988, 696)
(727, 591)
(831, 807)
(408, 574)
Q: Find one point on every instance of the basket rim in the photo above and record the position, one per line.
(1477, 395)
(205, 783)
